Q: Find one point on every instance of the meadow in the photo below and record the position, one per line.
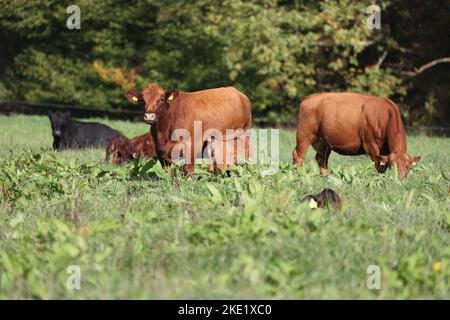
(137, 232)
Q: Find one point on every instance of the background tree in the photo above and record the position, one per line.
(277, 52)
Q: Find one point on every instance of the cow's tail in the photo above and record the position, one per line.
(248, 148)
(248, 109)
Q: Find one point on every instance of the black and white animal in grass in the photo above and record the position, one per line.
(326, 198)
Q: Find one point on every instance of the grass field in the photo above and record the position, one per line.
(136, 232)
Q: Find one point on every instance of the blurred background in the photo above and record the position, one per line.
(277, 52)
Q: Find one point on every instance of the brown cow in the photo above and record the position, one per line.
(352, 124)
(121, 149)
(125, 150)
(172, 114)
(144, 145)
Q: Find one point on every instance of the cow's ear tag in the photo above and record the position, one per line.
(414, 163)
(312, 204)
(170, 98)
(134, 98)
(382, 163)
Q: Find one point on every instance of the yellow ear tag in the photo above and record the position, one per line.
(312, 204)
(414, 163)
(171, 97)
(134, 98)
(382, 163)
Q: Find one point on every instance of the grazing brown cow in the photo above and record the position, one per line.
(125, 150)
(172, 114)
(352, 124)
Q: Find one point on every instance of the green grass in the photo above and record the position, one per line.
(136, 232)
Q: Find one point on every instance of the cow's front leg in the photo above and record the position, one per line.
(380, 167)
(190, 157)
(165, 164)
(163, 155)
(373, 149)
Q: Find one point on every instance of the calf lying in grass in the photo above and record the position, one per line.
(121, 149)
(324, 199)
(72, 134)
(124, 149)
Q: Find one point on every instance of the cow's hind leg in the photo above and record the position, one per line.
(211, 146)
(299, 153)
(322, 155)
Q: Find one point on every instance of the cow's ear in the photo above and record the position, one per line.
(414, 160)
(171, 95)
(133, 96)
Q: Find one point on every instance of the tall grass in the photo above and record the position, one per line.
(137, 232)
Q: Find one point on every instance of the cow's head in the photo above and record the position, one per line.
(154, 100)
(58, 121)
(402, 160)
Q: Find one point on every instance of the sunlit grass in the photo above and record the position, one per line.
(137, 232)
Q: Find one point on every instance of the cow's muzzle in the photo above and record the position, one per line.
(150, 118)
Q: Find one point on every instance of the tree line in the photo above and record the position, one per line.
(277, 52)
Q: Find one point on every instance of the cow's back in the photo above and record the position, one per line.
(219, 108)
(339, 119)
(88, 134)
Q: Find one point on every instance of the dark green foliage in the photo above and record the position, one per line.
(277, 52)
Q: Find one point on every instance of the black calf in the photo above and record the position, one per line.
(72, 134)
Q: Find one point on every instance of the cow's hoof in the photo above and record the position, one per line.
(188, 170)
(298, 161)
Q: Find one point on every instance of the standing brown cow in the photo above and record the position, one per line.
(172, 111)
(352, 124)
